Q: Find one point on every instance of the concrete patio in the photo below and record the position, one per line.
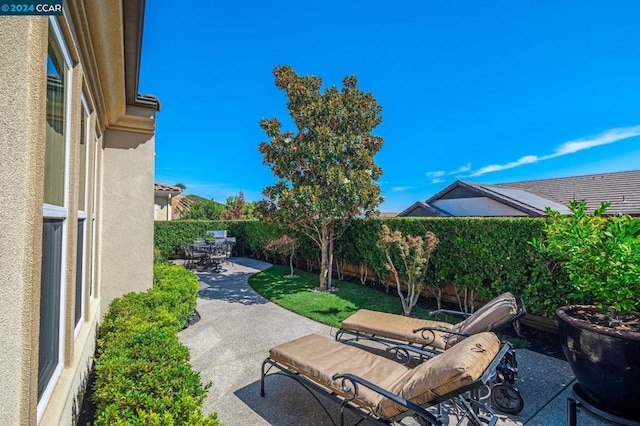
(238, 327)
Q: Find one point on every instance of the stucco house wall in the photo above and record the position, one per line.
(128, 183)
(109, 143)
(164, 199)
(162, 207)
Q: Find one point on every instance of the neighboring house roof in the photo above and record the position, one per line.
(531, 198)
(161, 188)
(621, 189)
(526, 202)
(388, 214)
(423, 209)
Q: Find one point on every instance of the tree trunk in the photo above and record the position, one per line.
(291, 261)
(324, 258)
(330, 275)
(405, 307)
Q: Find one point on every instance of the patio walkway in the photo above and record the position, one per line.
(238, 327)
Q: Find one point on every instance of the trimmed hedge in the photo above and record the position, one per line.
(143, 375)
(486, 255)
(251, 235)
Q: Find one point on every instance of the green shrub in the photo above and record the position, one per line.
(143, 375)
(601, 254)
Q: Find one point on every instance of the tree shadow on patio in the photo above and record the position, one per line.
(229, 288)
(287, 403)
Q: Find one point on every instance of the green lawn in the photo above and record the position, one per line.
(330, 308)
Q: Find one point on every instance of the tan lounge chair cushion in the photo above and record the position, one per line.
(454, 369)
(397, 327)
(319, 358)
(494, 314)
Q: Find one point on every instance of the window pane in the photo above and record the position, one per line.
(82, 163)
(54, 150)
(79, 272)
(48, 356)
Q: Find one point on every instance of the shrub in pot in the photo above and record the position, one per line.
(601, 341)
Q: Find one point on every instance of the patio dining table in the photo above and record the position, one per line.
(215, 253)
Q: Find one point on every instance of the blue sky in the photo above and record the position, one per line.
(485, 91)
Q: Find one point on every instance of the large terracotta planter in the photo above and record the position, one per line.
(606, 363)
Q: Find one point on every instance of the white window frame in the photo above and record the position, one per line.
(94, 228)
(82, 214)
(57, 212)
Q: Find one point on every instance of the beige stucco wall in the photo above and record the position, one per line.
(127, 214)
(22, 136)
(123, 241)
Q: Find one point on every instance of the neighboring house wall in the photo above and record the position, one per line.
(476, 206)
(164, 196)
(162, 207)
(77, 214)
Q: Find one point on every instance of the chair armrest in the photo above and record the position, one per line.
(522, 309)
(357, 380)
(405, 351)
(442, 330)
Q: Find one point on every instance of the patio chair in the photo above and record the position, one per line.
(438, 335)
(430, 338)
(383, 391)
(191, 257)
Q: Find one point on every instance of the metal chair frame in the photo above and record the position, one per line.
(461, 402)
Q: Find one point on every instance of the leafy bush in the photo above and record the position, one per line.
(143, 375)
(601, 254)
(414, 253)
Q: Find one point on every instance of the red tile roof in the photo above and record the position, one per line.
(161, 187)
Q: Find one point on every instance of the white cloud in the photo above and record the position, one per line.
(610, 136)
(461, 169)
(570, 147)
(401, 188)
(529, 159)
(437, 174)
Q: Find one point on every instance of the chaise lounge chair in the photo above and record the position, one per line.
(431, 338)
(439, 335)
(383, 391)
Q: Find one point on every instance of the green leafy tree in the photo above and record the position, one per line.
(284, 246)
(204, 210)
(326, 169)
(181, 186)
(249, 209)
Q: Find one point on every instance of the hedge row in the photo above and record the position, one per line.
(485, 255)
(143, 374)
(251, 235)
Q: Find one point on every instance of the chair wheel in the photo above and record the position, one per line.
(506, 399)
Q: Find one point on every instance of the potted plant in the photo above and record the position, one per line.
(600, 339)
